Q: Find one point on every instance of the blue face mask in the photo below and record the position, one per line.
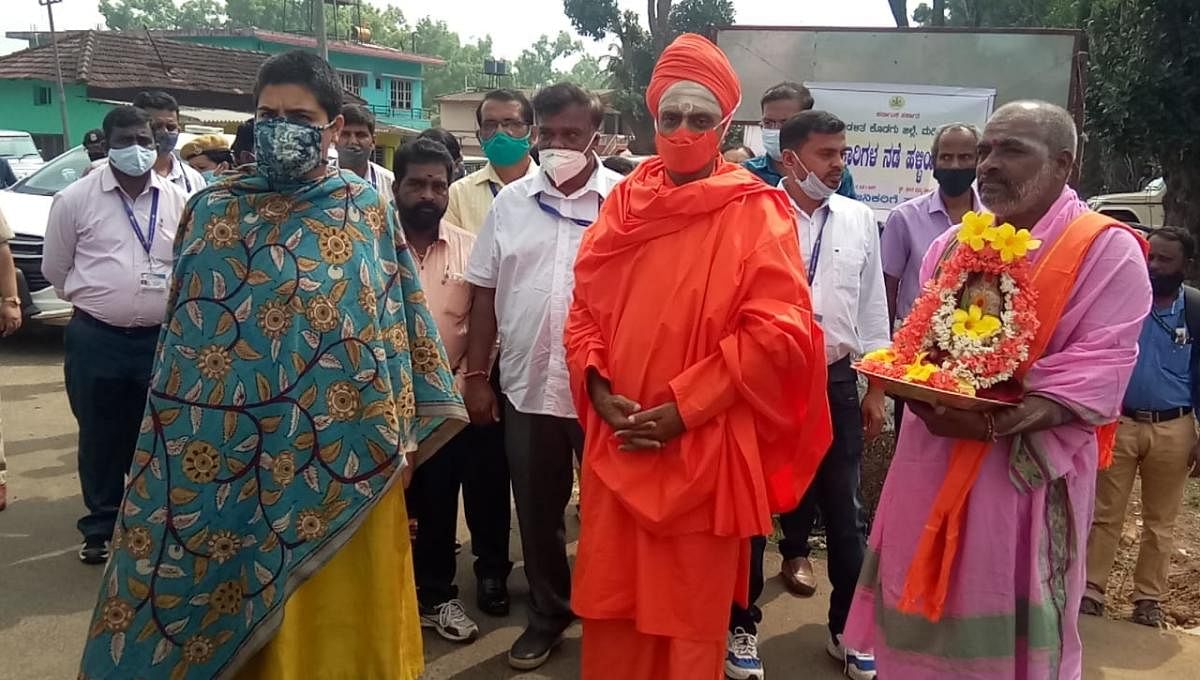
(133, 160)
(209, 176)
(771, 143)
(287, 151)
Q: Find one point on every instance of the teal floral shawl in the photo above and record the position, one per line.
(297, 367)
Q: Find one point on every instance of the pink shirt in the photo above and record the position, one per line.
(93, 257)
(447, 291)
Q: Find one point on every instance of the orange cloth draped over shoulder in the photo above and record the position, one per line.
(928, 581)
(693, 294)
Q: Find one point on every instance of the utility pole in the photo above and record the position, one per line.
(62, 95)
(319, 21)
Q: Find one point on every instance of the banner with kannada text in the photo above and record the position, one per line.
(890, 129)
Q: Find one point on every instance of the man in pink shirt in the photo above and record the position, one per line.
(475, 456)
(109, 251)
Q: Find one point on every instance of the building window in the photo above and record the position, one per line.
(353, 82)
(41, 95)
(401, 94)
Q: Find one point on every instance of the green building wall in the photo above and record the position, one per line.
(20, 110)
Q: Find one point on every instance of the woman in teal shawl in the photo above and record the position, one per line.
(298, 378)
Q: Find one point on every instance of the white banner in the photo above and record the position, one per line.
(890, 129)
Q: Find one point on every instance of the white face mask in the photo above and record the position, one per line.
(811, 185)
(560, 165)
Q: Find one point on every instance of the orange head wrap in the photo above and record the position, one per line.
(695, 58)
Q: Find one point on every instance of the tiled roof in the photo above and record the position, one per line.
(113, 60)
(310, 42)
(476, 96)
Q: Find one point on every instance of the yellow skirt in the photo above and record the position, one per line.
(356, 618)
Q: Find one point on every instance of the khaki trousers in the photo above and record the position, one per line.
(1159, 452)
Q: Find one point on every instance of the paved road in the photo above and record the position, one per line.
(46, 595)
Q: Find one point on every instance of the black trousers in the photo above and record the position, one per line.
(540, 455)
(473, 460)
(835, 492)
(107, 372)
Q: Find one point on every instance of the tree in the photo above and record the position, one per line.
(638, 47)
(464, 63)
(159, 14)
(535, 66)
(899, 11)
(1143, 94)
(588, 72)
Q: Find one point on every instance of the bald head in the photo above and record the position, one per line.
(1026, 154)
(1055, 123)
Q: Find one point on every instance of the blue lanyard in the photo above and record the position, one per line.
(494, 187)
(145, 238)
(816, 251)
(551, 211)
(1178, 334)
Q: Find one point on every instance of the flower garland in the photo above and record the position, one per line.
(952, 344)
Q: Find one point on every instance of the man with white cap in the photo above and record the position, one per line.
(698, 374)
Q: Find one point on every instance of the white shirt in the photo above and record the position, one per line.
(94, 259)
(849, 298)
(382, 179)
(528, 256)
(181, 175)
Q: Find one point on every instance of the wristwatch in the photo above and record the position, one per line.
(14, 301)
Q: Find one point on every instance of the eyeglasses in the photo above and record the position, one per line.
(513, 126)
(769, 124)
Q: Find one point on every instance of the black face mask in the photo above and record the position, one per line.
(96, 155)
(954, 181)
(1165, 284)
(423, 216)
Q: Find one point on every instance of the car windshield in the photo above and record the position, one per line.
(17, 147)
(54, 176)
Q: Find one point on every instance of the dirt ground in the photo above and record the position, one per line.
(1182, 606)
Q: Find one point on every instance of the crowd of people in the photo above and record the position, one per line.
(284, 371)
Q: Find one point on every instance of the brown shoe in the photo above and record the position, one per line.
(797, 575)
(1148, 613)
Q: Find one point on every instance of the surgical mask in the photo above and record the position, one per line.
(166, 140)
(685, 151)
(503, 149)
(353, 156)
(560, 165)
(811, 185)
(770, 140)
(954, 181)
(287, 151)
(134, 160)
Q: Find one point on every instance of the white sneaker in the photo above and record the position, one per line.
(741, 657)
(856, 665)
(450, 620)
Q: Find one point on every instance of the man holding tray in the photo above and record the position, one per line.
(975, 563)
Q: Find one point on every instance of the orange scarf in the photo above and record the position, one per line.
(928, 580)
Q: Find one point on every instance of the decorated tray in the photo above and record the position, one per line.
(931, 395)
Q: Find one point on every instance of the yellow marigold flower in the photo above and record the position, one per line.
(883, 356)
(1013, 243)
(977, 230)
(974, 323)
(919, 371)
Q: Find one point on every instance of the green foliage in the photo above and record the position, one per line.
(979, 13)
(638, 48)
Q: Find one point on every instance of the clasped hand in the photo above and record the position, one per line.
(637, 429)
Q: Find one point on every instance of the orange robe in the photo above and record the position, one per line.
(692, 294)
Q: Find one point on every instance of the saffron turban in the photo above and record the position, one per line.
(696, 59)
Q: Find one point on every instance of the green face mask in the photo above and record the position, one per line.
(503, 149)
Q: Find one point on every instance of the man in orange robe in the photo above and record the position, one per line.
(699, 377)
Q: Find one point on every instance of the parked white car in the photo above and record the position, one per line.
(26, 206)
(22, 154)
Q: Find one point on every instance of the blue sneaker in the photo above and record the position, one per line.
(857, 665)
(741, 661)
